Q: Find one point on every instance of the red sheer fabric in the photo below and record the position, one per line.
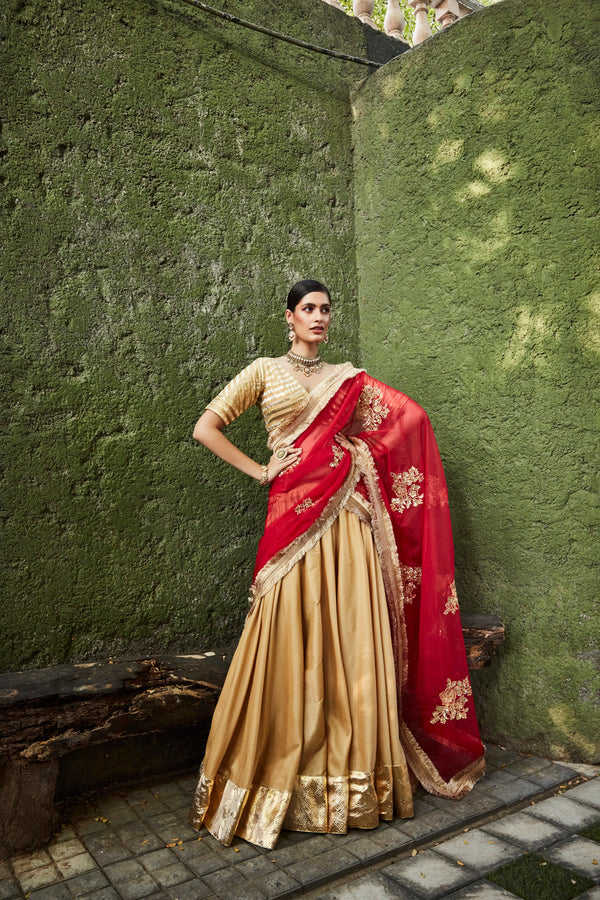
(396, 466)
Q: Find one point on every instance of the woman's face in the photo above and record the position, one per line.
(310, 319)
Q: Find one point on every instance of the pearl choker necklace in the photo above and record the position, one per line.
(305, 364)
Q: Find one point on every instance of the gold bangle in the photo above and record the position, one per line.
(264, 478)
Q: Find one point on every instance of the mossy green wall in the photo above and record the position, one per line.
(165, 177)
(477, 255)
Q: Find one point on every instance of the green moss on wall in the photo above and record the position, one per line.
(477, 236)
(166, 176)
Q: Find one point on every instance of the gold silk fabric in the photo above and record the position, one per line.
(305, 735)
(266, 383)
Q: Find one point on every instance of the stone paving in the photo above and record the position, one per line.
(136, 843)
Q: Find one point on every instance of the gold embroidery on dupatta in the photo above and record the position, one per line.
(411, 576)
(306, 504)
(407, 492)
(370, 409)
(454, 699)
(385, 542)
(452, 601)
(338, 455)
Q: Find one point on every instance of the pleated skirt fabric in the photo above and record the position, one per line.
(305, 735)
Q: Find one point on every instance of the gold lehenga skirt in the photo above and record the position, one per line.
(305, 734)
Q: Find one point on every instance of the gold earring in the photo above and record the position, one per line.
(326, 338)
(291, 333)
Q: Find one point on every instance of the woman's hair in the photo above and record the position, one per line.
(301, 289)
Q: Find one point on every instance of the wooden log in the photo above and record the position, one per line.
(482, 636)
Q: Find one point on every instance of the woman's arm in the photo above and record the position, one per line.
(209, 431)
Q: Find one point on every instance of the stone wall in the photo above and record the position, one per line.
(477, 256)
(166, 177)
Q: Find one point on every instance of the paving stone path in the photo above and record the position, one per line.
(136, 843)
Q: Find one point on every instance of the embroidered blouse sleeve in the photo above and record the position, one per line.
(240, 394)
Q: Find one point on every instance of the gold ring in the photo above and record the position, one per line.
(281, 453)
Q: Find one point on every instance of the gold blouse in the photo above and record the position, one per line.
(265, 382)
(279, 395)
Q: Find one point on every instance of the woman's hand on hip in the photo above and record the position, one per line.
(277, 465)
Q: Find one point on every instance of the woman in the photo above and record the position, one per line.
(350, 683)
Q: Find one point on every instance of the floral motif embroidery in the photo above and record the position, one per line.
(370, 409)
(452, 601)
(406, 489)
(411, 579)
(454, 699)
(338, 455)
(306, 504)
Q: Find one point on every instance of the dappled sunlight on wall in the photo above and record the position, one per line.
(477, 227)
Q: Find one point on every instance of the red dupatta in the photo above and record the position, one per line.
(396, 467)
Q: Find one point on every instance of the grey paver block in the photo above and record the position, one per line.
(276, 884)
(430, 824)
(388, 840)
(528, 765)
(258, 865)
(138, 838)
(324, 865)
(239, 851)
(170, 827)
(577, 853)
(365, 848)
(106, 893)
(225, 880)
(496, 776)
(76, 865)
(54, 892)
(370, 887)
(553, 775)
(480, 851)
(592, 894)
(88, 826)
(23, 864)
(191, 890)
(84, 884)
(171, 875)
(65, 849)
(8, 889)
(563, 811)
(483, 890)
(476, 804)
(38, 878)
(158, 859)
(429, 874)
(511, 791)
(295, 852)
(106, 848)
(121, 871)
(141, 886)
(526, 831)
(202, 865)
(588, 792)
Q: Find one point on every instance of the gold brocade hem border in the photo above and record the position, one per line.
(333, 804)
(284, 561)
(255, 814)
(459, 785)
(391, 570)
(318, 803)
